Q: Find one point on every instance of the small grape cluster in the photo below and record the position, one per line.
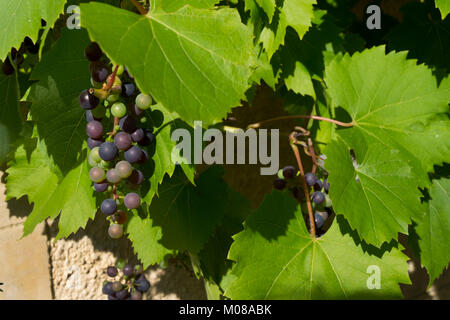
(288, 177)
(131, 285)
(113, 155)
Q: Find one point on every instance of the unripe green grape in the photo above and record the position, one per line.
(95, 155)
(143, 120)
(91, 161)
(115, 231)
(104, 164)
(118, 110)
(143, 101)
(97, 174)
(113, 97)
(124, 169)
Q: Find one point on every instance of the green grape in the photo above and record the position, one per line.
(118, 110)
(119, 70)
(95, 155)
(91, 161)
(113, 98)
(143, 101)
(143, 120)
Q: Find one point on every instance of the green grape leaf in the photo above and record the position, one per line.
(425, 39)
(145, 239)
(268, 6)
(174, 5)
(443, 6)
(278, 259)
(433, 232)
(187, 214)
(394, 101)
(300, 81)
(19, 19)
(297, 14)
(63, 73)
(165, 122)
(10, 122)
(195, 62)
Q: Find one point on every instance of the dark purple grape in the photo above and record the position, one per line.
(318, 185)
(87, 100)
(318, 220)
(144, 157)
(107, 288)
(310, 179)
(122, 140)
(99, 71)
(93, 52)
(108, 207)
(318, 197)
(127, 124)
(89, 116)
(136, 111)
(94, 129)
(289, 172)
(133, 155)
(112, 271)
(137, 177)
(101, 187)
(7, 67)
(107, 151)
(128, 270)
(92, 143)
(122, 294)
(279, 184)
(132, 201)
(138, 135)
(136, 295)
(142, 284)
(326, 186)
(148, 139)
(112, 296)
(128, 89)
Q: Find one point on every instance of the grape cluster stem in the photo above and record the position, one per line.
(139, 7)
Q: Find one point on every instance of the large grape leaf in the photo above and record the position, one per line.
(22, 18)
(174, 5)
(194, 61)
(278, 259)
(145, 239)
(398, 112)
(163, 122)
(63, 73)
(444, 7)
(188, 214)
(433, 230)
(10, 122)
(395, 101)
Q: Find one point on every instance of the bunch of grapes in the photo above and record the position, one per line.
(288, 177)
(132, 283)
(115, 156)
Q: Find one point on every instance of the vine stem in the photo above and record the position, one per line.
(139, 7)
(305, 186)
(116, 123)
(339, 123)
(111, 79)
(313, 155)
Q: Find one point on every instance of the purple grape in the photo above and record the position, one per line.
(133, 155)
(107, 151)
(128, 270)
(107, 288)
(108, 207)
(136, 111)
(289, 172)
(326, 186)
(93, 52)
(148, 139)
(99, 71)
(279, 184)
(318, 220)
(122, 294)
(89, 116)
(88, 101)
(142, 284)
(101, 187)
(127, 124)
(122, 140)
(136, 295)
(117, 286)
(138, 135)
(94, 129)
(113, 176)
(144, 157)
(112, 271)
(310, 179)
(318, 197)
(137, 177)
(318, 185)
(92, 143)
(132, 201)
(128, 89)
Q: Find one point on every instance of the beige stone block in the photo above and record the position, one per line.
(24, 265)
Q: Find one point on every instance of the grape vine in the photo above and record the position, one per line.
(89, 113)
